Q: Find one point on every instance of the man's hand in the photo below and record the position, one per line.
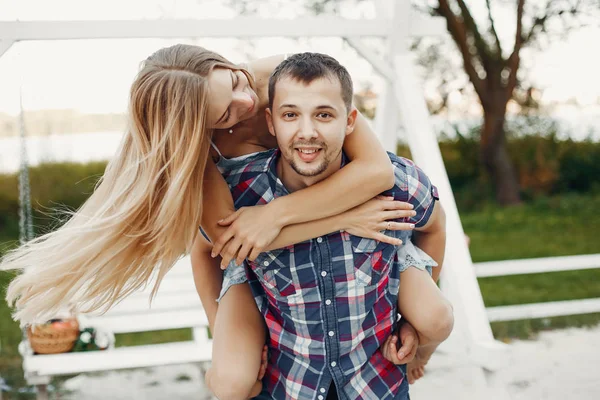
(257, 388)
(407, 336)
(263, 363)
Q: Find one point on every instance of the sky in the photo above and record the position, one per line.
(95, 75)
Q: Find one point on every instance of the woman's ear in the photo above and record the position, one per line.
(269, 118)
(351, 121)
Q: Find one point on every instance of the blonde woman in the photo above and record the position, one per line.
(146, 209)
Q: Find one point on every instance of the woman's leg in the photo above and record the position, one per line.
(238, 341)
(422, 304)
(237, 327)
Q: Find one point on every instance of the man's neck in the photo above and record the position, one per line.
(294, 181)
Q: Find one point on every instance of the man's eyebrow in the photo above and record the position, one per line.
(227, 109)
(325, 106)
(288, 106)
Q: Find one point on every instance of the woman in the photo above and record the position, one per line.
(145, 210)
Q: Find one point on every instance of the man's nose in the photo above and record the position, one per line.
(307, 129)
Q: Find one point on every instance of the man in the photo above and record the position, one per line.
(329, 303)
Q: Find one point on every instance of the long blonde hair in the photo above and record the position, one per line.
(145, 210)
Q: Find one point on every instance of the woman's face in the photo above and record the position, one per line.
(231, 98)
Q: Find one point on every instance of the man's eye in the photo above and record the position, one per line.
(289, 115)
(324, 115)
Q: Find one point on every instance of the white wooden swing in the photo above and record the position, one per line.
(471, 345)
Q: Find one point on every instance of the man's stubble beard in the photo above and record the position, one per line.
(309, 174)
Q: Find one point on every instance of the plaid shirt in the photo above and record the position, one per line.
(330, 302)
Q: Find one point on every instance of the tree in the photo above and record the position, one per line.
(493, 71)
(491, 60)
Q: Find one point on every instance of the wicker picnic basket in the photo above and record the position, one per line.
(53, 337)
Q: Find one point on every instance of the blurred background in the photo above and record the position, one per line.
(522, 154)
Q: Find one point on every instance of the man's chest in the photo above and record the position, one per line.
(332, 267)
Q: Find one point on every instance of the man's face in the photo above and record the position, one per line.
(310, 123)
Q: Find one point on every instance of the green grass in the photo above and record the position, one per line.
(557, 226)
(565, 225)
(561, 225)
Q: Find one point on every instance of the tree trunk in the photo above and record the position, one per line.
(494, 155)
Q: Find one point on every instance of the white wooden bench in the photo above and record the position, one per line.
(177, 305)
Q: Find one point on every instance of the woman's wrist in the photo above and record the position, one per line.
(281, 214)
(338, 222)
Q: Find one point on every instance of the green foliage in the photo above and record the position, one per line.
(545, 164)
(555, 226)
(62, 186)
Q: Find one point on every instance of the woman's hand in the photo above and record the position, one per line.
(376, 215)
(250, 230)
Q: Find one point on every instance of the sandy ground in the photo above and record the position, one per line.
(558, 365)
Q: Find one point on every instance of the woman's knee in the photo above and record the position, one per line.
(441, 321)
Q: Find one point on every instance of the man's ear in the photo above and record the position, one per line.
(269, 118)
(352, 115)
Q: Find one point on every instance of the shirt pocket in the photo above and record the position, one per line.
(273, 269)
(371, 259)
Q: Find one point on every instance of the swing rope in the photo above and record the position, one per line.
(25, 216)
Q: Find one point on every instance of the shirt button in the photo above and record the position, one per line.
(333, 364)
(328, 302)
(266, 263)
(322, 390)
(324, 273)
(320, 240)
(331, 333)
(320, 397)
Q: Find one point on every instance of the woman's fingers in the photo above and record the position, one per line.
(229, 220)
(221, 242)
(397, 205)
(380, 237)
(253, 254)
(396, 226)
(243, 253)
(384, 198)
(229, 252)
(397, 214)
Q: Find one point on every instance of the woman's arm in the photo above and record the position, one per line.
(261, 70)
(251, 230)
(366, 220)
(217, 202)
(207, 277)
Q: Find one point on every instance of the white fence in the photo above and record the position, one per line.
(538, 265)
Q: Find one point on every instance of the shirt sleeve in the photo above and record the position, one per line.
(416, 189)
